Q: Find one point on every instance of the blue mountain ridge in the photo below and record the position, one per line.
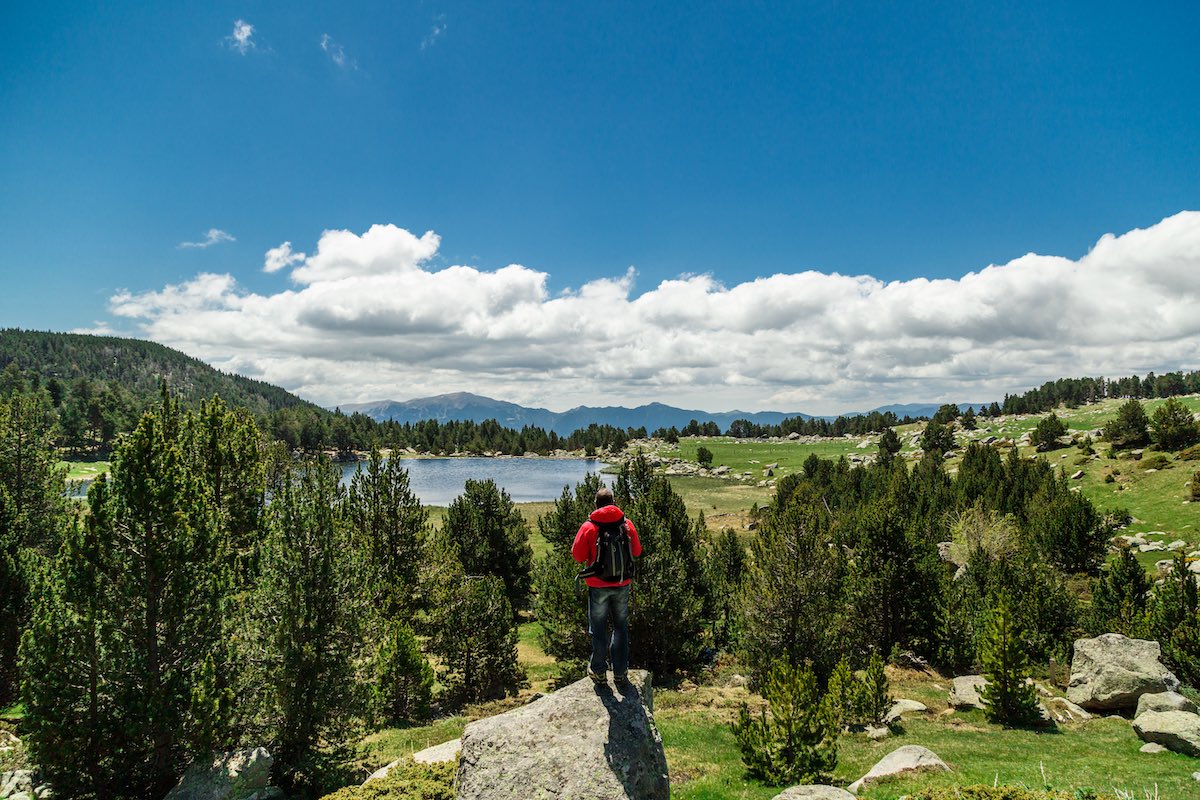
(465, 406)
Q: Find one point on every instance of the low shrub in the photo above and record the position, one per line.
(1190, 454)
(983, 792)
(406, 781)
(1157, 461)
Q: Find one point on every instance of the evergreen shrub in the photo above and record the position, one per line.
(406, 781)
(795, 741)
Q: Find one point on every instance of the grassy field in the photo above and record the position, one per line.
(84, 470)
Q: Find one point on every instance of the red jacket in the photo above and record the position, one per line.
(584, 549)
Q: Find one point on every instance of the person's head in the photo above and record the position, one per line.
(604, 497)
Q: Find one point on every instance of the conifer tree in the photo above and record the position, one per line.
(151, 574)
(1048, 429)
(794, 739)
(795, 610)
(727, 575)
(876, 693)
(492, 538)
(559, 525)
(388, 526)
(304, 638)
(1130, 428)
(1120, 597)
(889, 445)
(1007, 697)
(32, 511)
(937, 438)
(472, 632)
(1173, 426)
(1175, 621)
(403, 681)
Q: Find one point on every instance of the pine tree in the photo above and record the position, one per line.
(492, 538)
(1175, 621)
(727, 576)
(1120, 597)
(388, 526)
(795, 610)
(559, 525)
(1173, 426)
(144, 591)
(889, 445)
(472, 633)
(1008, 698)
(304, 638)
(795, 742)
(403, 680)
(1130, 428)
(1048, 429)
(876, 694)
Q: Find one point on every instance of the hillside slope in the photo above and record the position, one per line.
(138, 366)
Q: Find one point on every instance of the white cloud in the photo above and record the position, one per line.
(336, 53)
(214, 236)
(279, 257)
(369, 317)
(435, 33)
(242, 37)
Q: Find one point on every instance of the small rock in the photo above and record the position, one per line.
(1164, 701)
(877, 732)
(814, 793)
(1151, 747)
(1178, 544)
(964, 691)
(903, 706)
(1151, 547)
(1077, 475)
(739, 681)
(909, 758)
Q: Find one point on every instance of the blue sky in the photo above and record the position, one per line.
(720, 143)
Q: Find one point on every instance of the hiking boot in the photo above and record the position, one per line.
(622, 679)
(598, 679)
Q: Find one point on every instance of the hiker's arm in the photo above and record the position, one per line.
(584, 549)
(635, 544)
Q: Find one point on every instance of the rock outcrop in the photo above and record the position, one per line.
(239, 775)
(910, 758)
(1174, 730)
(583, 741)
(1110, 672)
(904, 706)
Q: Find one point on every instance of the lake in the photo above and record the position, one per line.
(437, 481)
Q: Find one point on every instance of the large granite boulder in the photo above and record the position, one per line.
(23, 784)
(239, 775)
(1110, 672)
(965, 691)
(813, 793)
(910, 758)
(1174, 730)
(583, 741)
(1164, 701)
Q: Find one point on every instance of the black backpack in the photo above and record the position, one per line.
(614, 553)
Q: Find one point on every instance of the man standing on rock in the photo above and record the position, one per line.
(607, 542)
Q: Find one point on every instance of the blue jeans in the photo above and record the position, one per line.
(600, 603)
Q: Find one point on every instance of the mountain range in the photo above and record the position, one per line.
(477, 408)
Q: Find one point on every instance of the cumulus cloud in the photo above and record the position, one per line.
(369, 316)
(242, 37)
(279, 257)
(214, 236)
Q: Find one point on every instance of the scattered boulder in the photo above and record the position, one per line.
(1175, 730)
(965, 689)
(1111, 671)
(1063, 710)
(581, 741)
(1151, 547)
(910, 758)
(903, 706)
(1151, 747)
(237, 775)
(1077, 474)
(1164, 701)
(814, 793)
(877, 732)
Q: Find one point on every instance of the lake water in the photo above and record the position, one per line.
(437, 481)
